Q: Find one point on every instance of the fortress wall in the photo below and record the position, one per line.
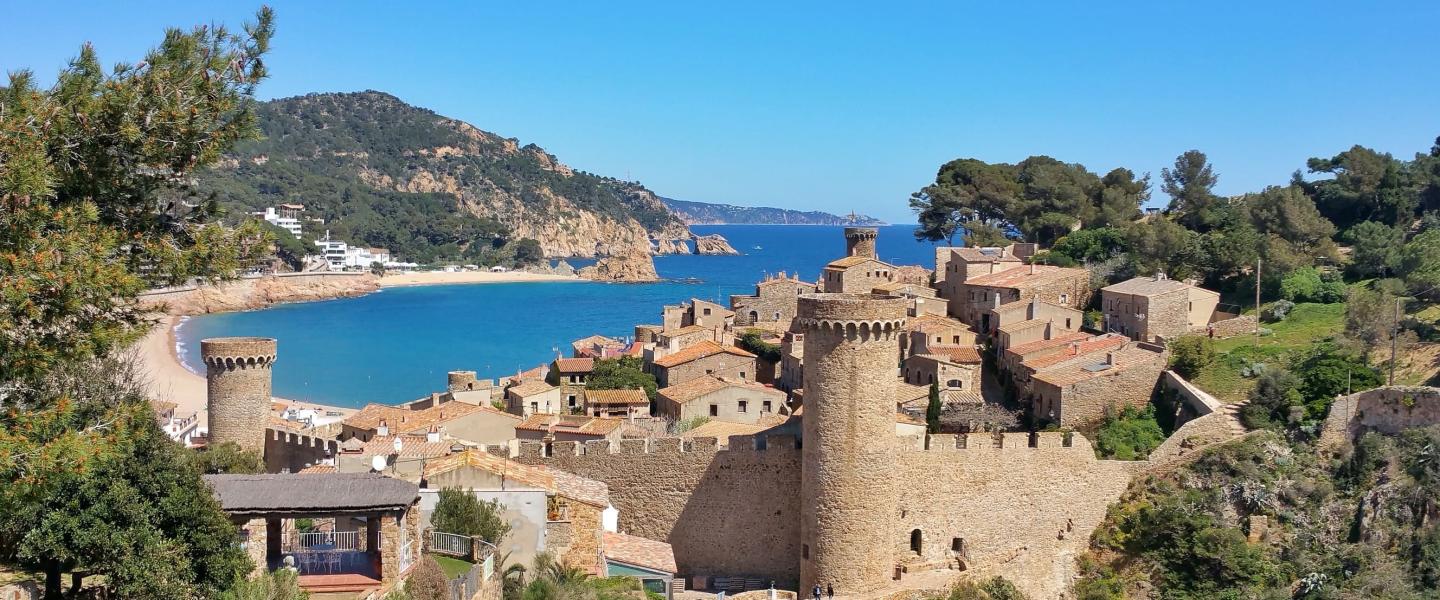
(732, 511)
(1024, 506)
(294, 451)
(1387, 410)
(1185, 443)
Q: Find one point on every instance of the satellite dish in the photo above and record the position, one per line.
(398, 445)
(377, 462)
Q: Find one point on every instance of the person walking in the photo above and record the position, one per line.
(816, 591)
(829, 592)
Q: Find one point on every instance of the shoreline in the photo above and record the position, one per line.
(469, 277)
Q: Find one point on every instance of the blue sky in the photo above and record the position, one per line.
(836, 106)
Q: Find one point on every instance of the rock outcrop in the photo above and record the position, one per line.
(634, 267)
(664, 246)
(713, 244)
(258, 292)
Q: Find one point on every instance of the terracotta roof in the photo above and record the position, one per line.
(701, 386)
(722, 430)
(901, 417)
(1023, 325)
(1090, 369)
(628, 397)
(595, 340)
(638, 551)
(286, 424)
(410, 445)
(983, 255)
(907, 392)
(313, 469)
(635, 349)
(401, 420)
(914, 323)
(961, 396)
(904, 287)
(686, 330)
(700, 350)
(1021, 277)
(1098, 343)
(1059, 340)
(785, 280)
(1150, 286)
(852, 261)
(550, 479)
(530, 387)
(574, 365)
(572, 424)
(963, 355)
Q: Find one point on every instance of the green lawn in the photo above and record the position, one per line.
(1306, 325)
(453, 567)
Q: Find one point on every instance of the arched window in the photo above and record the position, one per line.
(955, 383)
(915, 541)
(754, 316)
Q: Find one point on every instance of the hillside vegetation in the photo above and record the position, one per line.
(384, 173)
(703, 213)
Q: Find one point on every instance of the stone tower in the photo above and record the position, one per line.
(860, 241)
(848, 498)
(457, 381)
(237, 373)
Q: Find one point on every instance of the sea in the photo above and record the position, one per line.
(398, 344)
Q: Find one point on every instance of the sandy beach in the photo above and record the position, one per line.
(442, 278)
(170, 381)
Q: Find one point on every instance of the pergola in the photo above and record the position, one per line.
(376, 536)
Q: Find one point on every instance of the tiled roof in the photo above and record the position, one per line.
(1059, 340)
(983, 255)
(700, 350)
(901, 417)
(530, 387)
(852, 261)
(686, 330)
(313, 469)
(904, 287)
(638, 551)
(1021, 277)
(628, 397)
(963, 355)
(701, 386)
(574, 365)
(1098, 343)
(319, 493)
(595, 340)
(915, 323)
(1150, 286)
(906, 392)
(410, 445)
(572, 424)
(1088, 369)
(1023, 325)
(402, 420)
(552, 480)
(784, 280)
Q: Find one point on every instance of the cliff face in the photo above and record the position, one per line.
(383, 173)
(259, 292)
(628, 268)
(713, 244)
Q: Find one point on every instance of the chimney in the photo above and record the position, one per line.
(1050, 329)
(1074, 348)
(997, 300)
(434, 398)
(1110, 358)
(1002, 252)
(433, 435)
(1032, 268)
(383, 429)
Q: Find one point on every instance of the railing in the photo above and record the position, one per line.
(467, 584)
(324, 540)
(407, 555)
(450, 544)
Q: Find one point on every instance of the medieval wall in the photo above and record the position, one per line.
(1385, 409)
(294, 451)
(732, 512)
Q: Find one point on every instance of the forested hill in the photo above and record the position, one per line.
(383, 173)
(702, 213)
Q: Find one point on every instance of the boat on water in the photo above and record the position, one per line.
(692, 280)
(758, 248)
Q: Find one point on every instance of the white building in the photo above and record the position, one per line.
(362, 257)
(333, 250)
(285, 217)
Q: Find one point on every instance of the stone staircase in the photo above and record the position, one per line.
(1232, 417)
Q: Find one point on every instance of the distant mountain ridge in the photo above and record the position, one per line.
(704, 213)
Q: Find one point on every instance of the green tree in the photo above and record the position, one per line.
(1092, 245)
(283, 584)
(623, 373)
(1326, 373)
(1420, 263)
(1375, 248)
(1296, 233)
(458, 511)
(751, 342)
(528, 252)
(428, 581)
(377, 269)
(969, 197)
(1189, 185)
(1190, 354)
(227, 457)
(1370, 317)
(932, 409)
(1129, 434)
(1119, 198)
(1366, 186)
(1275, 393)
(1161, 245)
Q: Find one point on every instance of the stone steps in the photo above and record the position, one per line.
(1232, 417)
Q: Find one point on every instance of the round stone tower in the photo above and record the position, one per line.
(847, 495)
(237, 373)
(860, 241)
(461, 380)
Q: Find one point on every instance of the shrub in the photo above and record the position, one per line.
(1189, 355)
(1277, 311)
(428, 581)
(460, 512)
(1275, 392)
(1301, 285)
(1129, 435)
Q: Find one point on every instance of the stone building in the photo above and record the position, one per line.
(719, 399)
(934, 329)
(974, 299)
(774, 301)
(568, 428)
(1085, 349)
(952, 368)
(536, 396)
(704, 358)
(924, 300)
(237, 379)
(478, 424)
(861, 269)
(570, 375)
(403, 455)
(617, 403)
(671, 341)
(792, 358)
(1080, 393)
(696, 312)
(1015, 323)
(597, 346)
(1156, 308)
(954, 266)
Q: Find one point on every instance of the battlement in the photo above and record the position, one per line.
(1005, 442)
(659, 446)
(237, 352)
(295, 451)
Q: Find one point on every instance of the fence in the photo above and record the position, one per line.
(323, 540)
(407, 555)
(450, 544)
(465, 586)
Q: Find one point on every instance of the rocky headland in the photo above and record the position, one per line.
(635, 267)
(258, 292)
(713, 244)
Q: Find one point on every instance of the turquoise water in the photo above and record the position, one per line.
(397, 344)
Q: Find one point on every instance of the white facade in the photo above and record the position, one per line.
(356, 256)
(334, 252)
(288, 223)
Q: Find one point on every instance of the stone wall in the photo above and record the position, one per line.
(1185, 443)
(237, 385)
(1087, 402)
(732, 512)
(294, 451)
(1387, 410)
(253, 292)
(720, 365)
(1242, 325)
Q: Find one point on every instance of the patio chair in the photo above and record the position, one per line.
(334, 561)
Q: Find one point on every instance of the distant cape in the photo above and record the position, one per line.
(703, 213)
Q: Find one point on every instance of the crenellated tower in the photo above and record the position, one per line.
(237, 374)
(860, 241)
(848, 495)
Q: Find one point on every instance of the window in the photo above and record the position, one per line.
(915, 541)
(1064, 298)
(709, 371)
(534, 407)
(707, 312)
(714, 410)
(957, 545)
(571, 400)
(804, 550)
(956, 340)
(765, 406)
(743, 406)
(955, 383)
(742, 374)
(1067, 323)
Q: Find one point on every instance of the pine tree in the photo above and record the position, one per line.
(932, 411)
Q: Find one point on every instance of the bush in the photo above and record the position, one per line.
(995, 588)
(1129, 435)
(1309, 285)
(751, 342)
(460, 512)
(1276, 391)
(428, 581)
(1189, 355)
(1327, 373)
(273, 585)
(1277, 311)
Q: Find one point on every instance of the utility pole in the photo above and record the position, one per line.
(1259, 263)
(1394, 334)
